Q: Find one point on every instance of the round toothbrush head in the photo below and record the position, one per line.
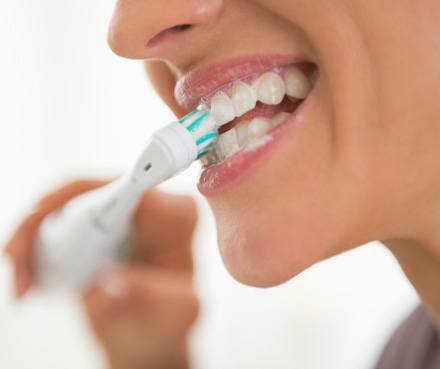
(203, 129)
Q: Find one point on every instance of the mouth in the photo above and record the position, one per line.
(251, 100)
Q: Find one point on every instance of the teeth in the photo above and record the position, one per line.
(243, 98)
(258, 127)
(227, 143)
(279, 118)
(242, 133)
(296, 82)
(221, 108)
(270, 88)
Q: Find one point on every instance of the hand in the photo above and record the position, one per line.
(143, 310)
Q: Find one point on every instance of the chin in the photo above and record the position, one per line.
(267, 242)
(264, 255)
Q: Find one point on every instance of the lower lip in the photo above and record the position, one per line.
(223, 177)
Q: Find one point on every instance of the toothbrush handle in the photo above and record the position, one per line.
(76, 243)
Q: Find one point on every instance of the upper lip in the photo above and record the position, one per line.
(193, 86)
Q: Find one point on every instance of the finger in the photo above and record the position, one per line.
(164, 226)
(19, 250)
(136, 309)
(20, 246)
(59, 197)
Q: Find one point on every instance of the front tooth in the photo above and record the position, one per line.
(243, 98)
(279, 118)
(242, 133)
(258, 127)
(297, 83)
(228, 143)
(270, 88)
(222, 109)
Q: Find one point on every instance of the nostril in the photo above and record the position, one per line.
(181, 27)
(161, 36)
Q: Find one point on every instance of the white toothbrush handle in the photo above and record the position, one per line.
(76, 243)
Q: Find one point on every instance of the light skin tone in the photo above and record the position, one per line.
(365, 166)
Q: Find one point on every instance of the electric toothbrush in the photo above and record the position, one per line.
(77, 242)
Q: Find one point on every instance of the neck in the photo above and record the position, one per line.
(421, 264)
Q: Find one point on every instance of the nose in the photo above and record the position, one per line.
(142, 29)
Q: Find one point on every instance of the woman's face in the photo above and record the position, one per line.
(356, 162)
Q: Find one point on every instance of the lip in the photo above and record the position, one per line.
(222, 177)
(195, 85)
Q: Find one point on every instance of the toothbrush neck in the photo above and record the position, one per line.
(116, 204)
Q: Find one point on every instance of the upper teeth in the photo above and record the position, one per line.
(269, 88)
(243, 98)
(297, 84)
(221, 108)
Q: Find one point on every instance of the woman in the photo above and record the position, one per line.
(357, 159)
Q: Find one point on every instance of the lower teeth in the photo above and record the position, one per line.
(241, 136)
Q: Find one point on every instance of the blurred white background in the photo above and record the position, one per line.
(70, 108)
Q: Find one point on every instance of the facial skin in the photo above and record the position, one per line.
(364, 166)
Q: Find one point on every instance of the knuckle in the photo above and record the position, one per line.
(22, 236)
(71, 189)
(81, 184)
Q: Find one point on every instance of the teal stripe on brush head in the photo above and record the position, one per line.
(197, 122)
(207, 137)
(186, 117)
(204, 152)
